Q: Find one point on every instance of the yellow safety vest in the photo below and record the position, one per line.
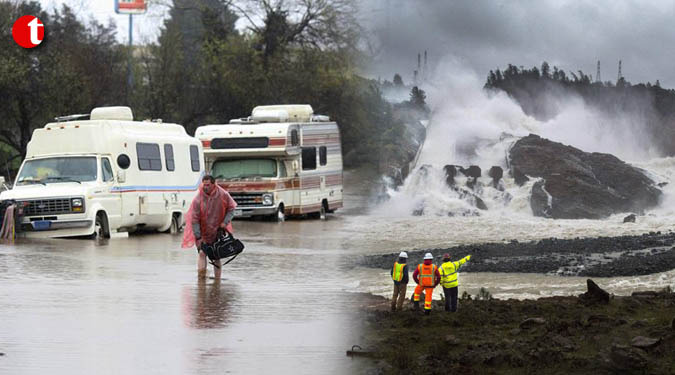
(397, 275)
(448, 271)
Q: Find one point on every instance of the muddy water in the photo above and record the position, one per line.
(135, 306)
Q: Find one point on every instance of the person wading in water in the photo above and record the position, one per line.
(212, 209)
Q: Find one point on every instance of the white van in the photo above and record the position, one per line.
(106, 175)
(282, 160)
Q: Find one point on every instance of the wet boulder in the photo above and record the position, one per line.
(473, 171)
(496, 173)
(582, 185)
(532, 322)
(629, 219)
(644, 342)
(628, 358)
(518, 176)
(450, 174)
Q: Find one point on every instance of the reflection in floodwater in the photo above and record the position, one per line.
(208, 305)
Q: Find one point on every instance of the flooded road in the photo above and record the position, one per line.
(135, 305)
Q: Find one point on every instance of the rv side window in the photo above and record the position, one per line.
(282, 169)
(308, 158)
(106, 170)
(322, 155)
(194, 158)
(168, 157)
(149, 158)
(294, 137)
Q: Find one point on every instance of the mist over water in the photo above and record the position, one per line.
(473, 126)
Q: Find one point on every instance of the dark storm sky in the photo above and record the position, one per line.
(486, 35)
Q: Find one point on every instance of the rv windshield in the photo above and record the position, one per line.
(61, 169)
(244, 168)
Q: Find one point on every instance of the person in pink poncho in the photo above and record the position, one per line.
(212, 209)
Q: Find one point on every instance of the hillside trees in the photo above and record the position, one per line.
(650, 107)
(202, 69)
(78, 66)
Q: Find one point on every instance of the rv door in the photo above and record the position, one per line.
(110, 200)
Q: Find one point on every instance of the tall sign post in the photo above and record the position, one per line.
(130, 7)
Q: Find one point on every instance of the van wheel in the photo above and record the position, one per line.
(174, 228)
(101, 227)
(280, 215)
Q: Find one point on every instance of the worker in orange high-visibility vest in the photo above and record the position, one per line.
(426, 276)
(399, 273)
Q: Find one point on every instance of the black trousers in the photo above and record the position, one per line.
(450, 299)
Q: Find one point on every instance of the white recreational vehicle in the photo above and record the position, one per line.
(106, 175)
(282, 160)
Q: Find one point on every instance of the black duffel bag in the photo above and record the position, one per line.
(225, 246)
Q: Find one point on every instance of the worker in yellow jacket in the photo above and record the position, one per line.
(449, 271)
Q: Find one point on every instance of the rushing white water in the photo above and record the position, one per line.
(470, 126)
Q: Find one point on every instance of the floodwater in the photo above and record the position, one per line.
(135, 305)
(285, 305)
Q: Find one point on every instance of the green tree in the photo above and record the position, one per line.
(418, 99)
(75, 68)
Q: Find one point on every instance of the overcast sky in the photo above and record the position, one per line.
(486, 35)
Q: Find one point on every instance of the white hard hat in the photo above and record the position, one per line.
(428, 256)
(403, 254)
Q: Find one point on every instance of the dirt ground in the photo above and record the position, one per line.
(558, 335)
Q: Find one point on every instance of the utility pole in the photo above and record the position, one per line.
(130, 7)
(130, 74)
(618, 76)
(424, 76)
(597, 74)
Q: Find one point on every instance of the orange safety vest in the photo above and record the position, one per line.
(398, 271)
(427, 274)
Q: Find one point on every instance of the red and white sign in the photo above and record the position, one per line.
(28, 31)
(130, 6)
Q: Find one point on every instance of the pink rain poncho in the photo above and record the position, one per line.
(209, 211)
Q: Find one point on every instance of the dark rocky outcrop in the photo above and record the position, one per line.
(629, 219)
(644, 254)
(551, 335)
(581, 184)
(395, 163)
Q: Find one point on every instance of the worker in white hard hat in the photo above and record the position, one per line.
(426, 276)
(399, 273)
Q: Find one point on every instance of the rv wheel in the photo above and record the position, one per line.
(324, 210)
(280, 216)
(101, 228)
(174, 228)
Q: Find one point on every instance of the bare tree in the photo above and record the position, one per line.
(321, 24)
